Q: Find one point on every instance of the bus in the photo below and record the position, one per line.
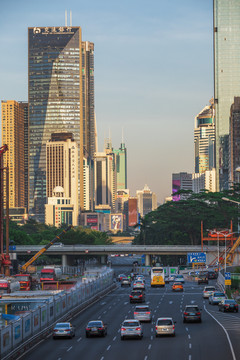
(157, 276)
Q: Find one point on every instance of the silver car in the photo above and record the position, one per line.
(208, 291)
(131, 328)
(165, 326)
(64, 329)
(142, 313)
(216, 297)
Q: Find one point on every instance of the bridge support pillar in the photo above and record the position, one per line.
(103, 259)
(147, 260)
(64, 260)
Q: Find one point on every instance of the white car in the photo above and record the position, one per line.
(131, 328)
(208, 291)
(216, 297)
(139, 284)
(179, 278)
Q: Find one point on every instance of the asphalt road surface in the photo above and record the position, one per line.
(217, 337)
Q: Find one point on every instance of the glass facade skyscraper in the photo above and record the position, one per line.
(61, 99)
(121, 166)
(226, 78)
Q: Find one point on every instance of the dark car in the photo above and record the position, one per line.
(137, 296)
(212, 275)
(121, 276)
(96, 328)
(64, 329)
(192, 313)
(202, 279)
(228, 305)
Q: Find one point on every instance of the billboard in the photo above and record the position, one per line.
(92, 219)
(116, 222)
(176, 185)
(132, 212)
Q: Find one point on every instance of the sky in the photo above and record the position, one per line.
(153, 74)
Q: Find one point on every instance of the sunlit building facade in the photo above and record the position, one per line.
(226, 78)
(121, 166)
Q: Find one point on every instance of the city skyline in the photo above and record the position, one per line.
(154, 95)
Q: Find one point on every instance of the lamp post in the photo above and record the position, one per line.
(235, 202)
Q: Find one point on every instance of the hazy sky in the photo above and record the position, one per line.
(153, 74)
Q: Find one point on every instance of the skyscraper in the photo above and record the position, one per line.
(121, 166)
(204, 139)
(234, 142)
(61, 99)
(181, 181)
(147, 200)
(226, 78)
(13, 136)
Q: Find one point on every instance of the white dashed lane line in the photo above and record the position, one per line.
(190, 346)
(189, 336)
(114, 338)
(149, 347)
(79, 339)
(69, 348)
(108, 347)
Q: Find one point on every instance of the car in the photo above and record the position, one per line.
(142, 313)
(140, 278)
(63, 329)
(216, 297)
(207, 291)
(138, 284)
(212, 275)
(179, 278)
(202, 279)
(172, 277)
(137, 296)
(125, 282)
(120, 276)
(228, 305)
(165, 326)
(131, 328)
(192, 313)
(96, 328)
(177, 286)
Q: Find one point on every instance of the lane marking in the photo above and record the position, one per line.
(170, 302)
(102, 358)
(114, 338)
(79, 339)
(189, 336)
(145, 358)
(229, 341)
(69, 348)
(190, 357)
(151, 337)
(149, 347)
(190, 346)
(126, 302)
(108, 347)
(186, 329)
(104, 312)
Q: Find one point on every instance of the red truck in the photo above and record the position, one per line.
(50, 274)
(27, 282)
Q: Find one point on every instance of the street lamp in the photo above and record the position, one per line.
(236, 202)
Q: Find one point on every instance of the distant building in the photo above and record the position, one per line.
(121, 166)
(204, 181)
(181, 181)
(147, 200)
(121, 205)
(204, 139)
(226, 78)
(95, 221)
(62, 171)
(13, 122)
(132, 211)
(234, 142)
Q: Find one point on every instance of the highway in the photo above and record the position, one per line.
(217, 337)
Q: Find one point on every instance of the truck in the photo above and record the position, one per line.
(9, 285)
(50, 273)
(27, 282)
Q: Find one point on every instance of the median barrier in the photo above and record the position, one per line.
(21, 334)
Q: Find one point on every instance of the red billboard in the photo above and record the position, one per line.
(92, 219)
(132, 212)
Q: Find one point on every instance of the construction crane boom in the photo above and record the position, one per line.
(40, 252)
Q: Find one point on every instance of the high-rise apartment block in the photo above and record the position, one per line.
(204, 181)
(61, 99)
(234, 142)
(226, 78)
(147, 200)
(121, 166)
(13, 136)
(204, 139)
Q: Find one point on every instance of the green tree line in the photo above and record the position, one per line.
(179, 222)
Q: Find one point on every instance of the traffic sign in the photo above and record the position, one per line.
(228, 278)
(196, 257)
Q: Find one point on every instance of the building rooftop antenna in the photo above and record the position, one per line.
(70, 17)
(66, 18)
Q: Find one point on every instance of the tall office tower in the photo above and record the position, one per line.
(105, 179)
(206, 180)
(13, 136)
(24, 105)
(61, 99)
(147, 200)
(234, 142)
(204, 139)
(121, 166)
(181, 181)
(226, 78)
(62, 169)
(132, 211)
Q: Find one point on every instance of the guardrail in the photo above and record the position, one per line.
(22, 333)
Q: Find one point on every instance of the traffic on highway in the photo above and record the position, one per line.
(162, 324)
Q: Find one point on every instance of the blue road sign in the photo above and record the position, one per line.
(227, 276)
(12, 247)
(196, 257)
